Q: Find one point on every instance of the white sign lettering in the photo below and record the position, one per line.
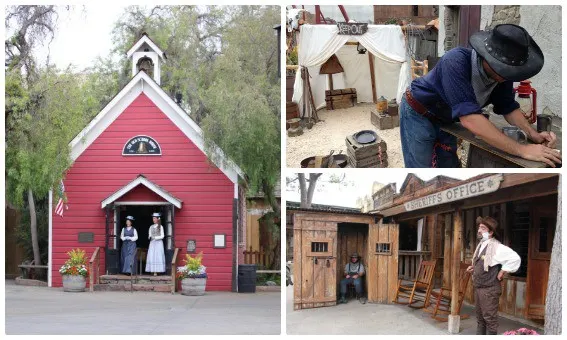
(352, 28)
(479, 187)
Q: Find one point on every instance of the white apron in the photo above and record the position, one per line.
(155, 261)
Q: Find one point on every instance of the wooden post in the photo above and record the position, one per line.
(455, 318)
(330, 81)
(372, 77)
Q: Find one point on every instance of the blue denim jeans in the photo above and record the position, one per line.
(424, 145)
(357, 285)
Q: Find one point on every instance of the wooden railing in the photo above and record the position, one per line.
(408, 263)
(174, 270)
(259, 257)
(94, 263)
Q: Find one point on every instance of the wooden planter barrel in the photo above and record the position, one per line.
(291, 112)
(193, 287)
(74, 283)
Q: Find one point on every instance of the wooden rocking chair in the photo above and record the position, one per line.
(443, 296)
(418, 290)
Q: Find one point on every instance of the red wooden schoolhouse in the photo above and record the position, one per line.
(140, 155)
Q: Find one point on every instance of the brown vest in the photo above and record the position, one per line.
(482, 279)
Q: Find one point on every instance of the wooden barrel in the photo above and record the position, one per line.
(289, 82)
(293, 123)
(291, 112)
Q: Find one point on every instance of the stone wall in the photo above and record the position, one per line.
(448, 29)
(544, 25)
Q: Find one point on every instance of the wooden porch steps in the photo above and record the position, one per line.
(145, 283)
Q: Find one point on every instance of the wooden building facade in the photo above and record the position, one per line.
(525, 205)
(429, 220)
(143, 154)
(324, 238)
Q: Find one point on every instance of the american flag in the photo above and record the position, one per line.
(61, 203)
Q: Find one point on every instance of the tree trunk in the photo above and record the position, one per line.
(553, 298)
(33, 227)
(302, 189)
(312, 184)
(307, 192)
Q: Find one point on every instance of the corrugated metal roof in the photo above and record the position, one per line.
(326, 208)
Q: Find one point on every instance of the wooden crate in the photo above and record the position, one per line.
(340, 99)
(372, 155)
(384, 121)
(360, 151)
(371, 162)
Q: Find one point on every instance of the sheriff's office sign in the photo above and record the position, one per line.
(352, 28)
(479, 187)
(141, 146)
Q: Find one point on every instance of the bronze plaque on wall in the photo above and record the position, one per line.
(86, 237)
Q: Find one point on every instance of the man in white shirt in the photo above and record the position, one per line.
(491, 260)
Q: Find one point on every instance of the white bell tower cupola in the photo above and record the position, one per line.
(146, 56)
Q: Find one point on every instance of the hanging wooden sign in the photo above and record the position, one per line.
(141, 146)
(471, 189)
(352, 28)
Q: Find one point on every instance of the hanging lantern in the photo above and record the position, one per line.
(527, 98)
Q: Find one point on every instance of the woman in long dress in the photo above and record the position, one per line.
(129, 235)
(155, 262)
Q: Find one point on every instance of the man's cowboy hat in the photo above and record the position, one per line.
(490, 223)
(355, 254)
(131, 218)
(510, 51)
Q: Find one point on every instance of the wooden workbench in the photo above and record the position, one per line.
(483, 155)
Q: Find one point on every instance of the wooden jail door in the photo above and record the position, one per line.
(315, 263)
(542, 232)
(382, 269)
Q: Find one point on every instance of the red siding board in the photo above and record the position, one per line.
(183, 170)
(141, 193)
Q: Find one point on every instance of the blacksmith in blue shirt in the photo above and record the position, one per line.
(459, 86)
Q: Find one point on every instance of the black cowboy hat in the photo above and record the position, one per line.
(510, 51)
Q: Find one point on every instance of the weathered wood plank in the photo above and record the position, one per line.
(393, 266)
(456, 260)
(383, 260)
(297, 263)
(372, 267)
(331, 217)
(448, 255)
(520, 303)
(308, 267)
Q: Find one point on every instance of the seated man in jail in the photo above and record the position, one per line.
(354, 270)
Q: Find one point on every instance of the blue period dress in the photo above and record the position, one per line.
(155, 262)
(128, 251)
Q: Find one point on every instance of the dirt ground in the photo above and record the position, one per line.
(355, 318)
(330, 133)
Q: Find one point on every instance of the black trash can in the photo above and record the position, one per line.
(247, 278)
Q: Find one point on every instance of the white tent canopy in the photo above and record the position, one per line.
(317, 43)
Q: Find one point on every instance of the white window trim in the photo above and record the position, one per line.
(148, 184)
(147, 40)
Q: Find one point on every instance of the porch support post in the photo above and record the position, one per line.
(455, 319)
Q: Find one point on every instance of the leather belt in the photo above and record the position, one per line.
(419, 108)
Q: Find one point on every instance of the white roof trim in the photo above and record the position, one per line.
(148, 184)
(147, 40)
(142, 83)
